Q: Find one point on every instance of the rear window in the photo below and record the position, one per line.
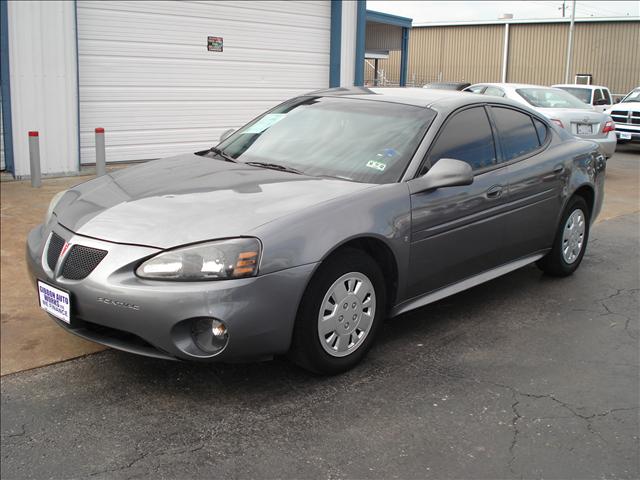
(551, 98)
(518, 136)
(582, 94)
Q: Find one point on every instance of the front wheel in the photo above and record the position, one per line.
(570, 241)
(339, 314)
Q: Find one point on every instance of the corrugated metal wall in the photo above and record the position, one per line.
(147, 77)
(610, 51)
(42, 69)
(348, 43)
(537, 53)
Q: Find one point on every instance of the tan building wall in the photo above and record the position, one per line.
(610, 51)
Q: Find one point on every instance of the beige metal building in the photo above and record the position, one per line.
(535, 52)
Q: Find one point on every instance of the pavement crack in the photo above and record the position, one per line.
(516, 432)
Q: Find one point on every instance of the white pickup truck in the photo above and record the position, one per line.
(626, 116)
(597, 96)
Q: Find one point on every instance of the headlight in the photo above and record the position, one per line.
(54, 201)
(219, 260)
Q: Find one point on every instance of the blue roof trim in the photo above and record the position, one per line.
(5, 85)
(335, 43)
(389, 19)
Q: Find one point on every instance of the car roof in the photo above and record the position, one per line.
(419, 97)
(578, 85)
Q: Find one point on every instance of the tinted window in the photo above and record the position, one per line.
(542, 97)
(495, 91)
(541, 128)
(466, 136)
(517, 133)
(607, 96)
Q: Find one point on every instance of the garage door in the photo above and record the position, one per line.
(147, 76)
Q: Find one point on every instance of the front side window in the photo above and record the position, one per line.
(360, 140)
(551, 98)
(607, 96)
(518, 135)
(466, 136)
(597, 97)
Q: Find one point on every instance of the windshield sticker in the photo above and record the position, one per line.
(265, 122)
(376, 165)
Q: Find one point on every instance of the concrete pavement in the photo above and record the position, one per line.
(30, 339)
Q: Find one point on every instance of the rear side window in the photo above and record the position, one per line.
(475, 89)
(495, 91)
(541, 128)
(518, 136)
(466, 136)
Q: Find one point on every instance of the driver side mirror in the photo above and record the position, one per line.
(447, 172)
(226, 134)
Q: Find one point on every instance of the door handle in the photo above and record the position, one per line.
(494, 192)
(558, 170)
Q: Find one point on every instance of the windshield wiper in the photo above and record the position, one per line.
(223, 154)
(275, 166)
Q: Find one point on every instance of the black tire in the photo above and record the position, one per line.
(554, 263)
(306, 349)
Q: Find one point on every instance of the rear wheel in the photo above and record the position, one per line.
(339, 314)
(570, 241)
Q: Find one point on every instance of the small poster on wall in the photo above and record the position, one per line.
(214, 44)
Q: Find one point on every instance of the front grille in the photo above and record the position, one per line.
(81, 261)
(625, 118)
(55, 247)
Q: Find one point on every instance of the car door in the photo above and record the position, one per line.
(457, 232)
(536, 179)
(599, 101)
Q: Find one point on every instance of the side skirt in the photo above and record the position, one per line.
(470, 282)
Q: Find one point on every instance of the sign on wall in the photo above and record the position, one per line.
(214, 44)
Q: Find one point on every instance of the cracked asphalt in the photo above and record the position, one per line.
(523, 377)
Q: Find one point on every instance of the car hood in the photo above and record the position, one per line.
(627, 106)
(187, 199)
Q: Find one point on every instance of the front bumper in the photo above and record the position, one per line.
(628, 133)
(259, 312)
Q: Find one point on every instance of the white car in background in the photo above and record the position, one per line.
(626, 116)
(597, 96)
(562, 108)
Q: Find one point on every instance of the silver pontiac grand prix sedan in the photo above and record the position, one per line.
(302, 231)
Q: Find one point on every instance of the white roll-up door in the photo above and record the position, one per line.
(146, 74)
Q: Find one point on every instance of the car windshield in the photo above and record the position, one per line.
(354, 139)
(634, 96)
(582, 94)
(550, 98)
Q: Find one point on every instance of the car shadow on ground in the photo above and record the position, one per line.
(433, 328)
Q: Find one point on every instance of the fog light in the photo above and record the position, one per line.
(209, 334)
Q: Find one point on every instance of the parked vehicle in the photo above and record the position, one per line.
(303, 230)
(626, 116)
(562, 108)
(447, 85)
(597, 96)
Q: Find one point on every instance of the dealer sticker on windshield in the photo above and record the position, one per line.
(54, 301)
(377, 165)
